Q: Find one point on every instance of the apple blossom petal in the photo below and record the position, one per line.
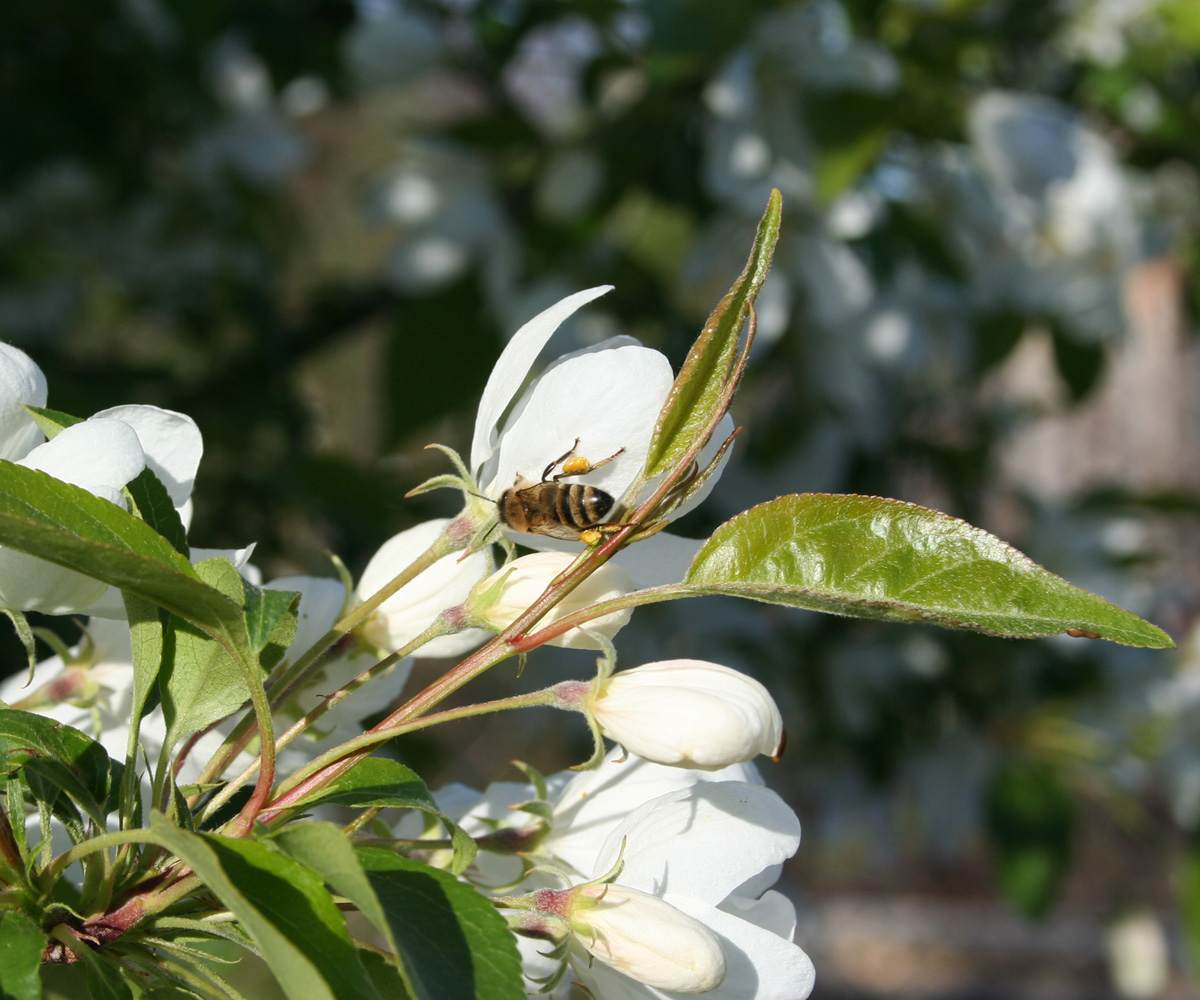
(609, 400)
(512, 368)
(31, 584)
(670, 842)
(171, 442)
(104, 452)
(772, 911)
(412, 609)
(761, 965)
(21, 381)
(594, 803)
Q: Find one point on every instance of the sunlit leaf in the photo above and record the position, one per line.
(378, 781)
(283, 907)
(873, 558)
(451, 941)
(696, 397)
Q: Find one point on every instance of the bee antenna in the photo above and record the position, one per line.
(480, 495)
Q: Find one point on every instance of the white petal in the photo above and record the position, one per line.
(671, 841)
(408, 612)
(593, 803)
(761, 965)
(512, 368)
(21, 381)
(609, 400)
(30, 584)
(92, 454)
(772, 911)
(172, 444)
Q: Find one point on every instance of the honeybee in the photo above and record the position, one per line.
(571, 511)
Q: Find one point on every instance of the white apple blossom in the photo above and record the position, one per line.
(688, 713)
(523, 581)
(413, 608)
(101, 454)
(708, 843)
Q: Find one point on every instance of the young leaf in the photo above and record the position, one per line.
(452, 943)
(24, 633)
(63, 756)
(867, 557)
(50, 422)
(200, 682)
(21, 945)
(284, 908)
(153, 505)
(378, 781)
(270, 621)
(698, 394)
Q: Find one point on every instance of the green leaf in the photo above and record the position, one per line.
(66, 525)
(270, 621)
(1030, 818)
(378, 781)
(283, 907)
(384, 975)
(873, 558)
(105, 981)
(50, 422)
(326, 850)
(21, 946)
(63, 756)
(450, 940)
(698, 395)
(200, 682)
(24, 633)
(154, 506)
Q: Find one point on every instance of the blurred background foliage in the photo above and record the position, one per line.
(309, 224)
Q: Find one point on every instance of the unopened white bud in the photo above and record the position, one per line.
(647, 939)
(526, 578)
(689, 713)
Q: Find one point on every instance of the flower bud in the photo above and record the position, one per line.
(523, 581)
(647, 939)
(689, 713)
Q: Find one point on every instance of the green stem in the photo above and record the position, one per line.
(650, 595)
(294, 674)
(300, 785)
(436, 629)
(49, 875)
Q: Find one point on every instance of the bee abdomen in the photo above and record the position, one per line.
(582, 506)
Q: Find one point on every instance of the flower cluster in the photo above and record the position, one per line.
(612, 874)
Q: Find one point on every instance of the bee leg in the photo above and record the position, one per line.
(579, 466)
(561, 458)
